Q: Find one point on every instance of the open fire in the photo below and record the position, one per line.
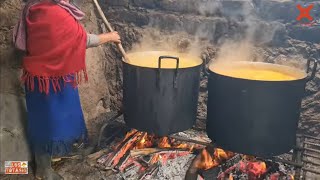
(140, 156)
(228, 165)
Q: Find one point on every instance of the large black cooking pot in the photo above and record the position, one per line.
(160, 100)
(254, 117)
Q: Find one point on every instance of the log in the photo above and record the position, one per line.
(190, 140)
(98, 154)
(75, 157)
(193, 171)
(144, 152)
(149, 151)
(92, 158)
(122, 150)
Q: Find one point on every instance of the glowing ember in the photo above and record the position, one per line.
(255, 169)
(155, 159)
(164, 157)
(274, 176)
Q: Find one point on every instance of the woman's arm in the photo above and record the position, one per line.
(96, 40)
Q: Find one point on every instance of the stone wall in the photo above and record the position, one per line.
(217, 18)
(13, 144)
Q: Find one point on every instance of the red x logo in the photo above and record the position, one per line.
(305, 12)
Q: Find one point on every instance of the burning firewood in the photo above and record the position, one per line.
(149, 151)
(205, 144)
(192, 172)
(122, 148)
(253, 169)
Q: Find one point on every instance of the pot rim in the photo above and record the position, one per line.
(199, 60)
(302, 75)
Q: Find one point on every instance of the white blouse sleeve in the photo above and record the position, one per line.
(92, 40)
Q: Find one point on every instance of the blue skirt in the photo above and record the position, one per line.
(55, 120)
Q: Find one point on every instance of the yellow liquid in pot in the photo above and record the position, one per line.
(255, 74)
(258, 73)
(151, 59)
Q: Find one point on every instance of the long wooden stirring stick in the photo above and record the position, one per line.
(109, 27)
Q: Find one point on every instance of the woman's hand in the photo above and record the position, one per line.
(110, 37)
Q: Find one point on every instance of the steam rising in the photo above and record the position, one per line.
(239, 46)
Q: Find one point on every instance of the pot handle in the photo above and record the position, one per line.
(176, 70)
(313, 69)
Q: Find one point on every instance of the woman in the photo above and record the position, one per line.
(55, 43)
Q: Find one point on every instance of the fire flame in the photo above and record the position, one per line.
(135, 140)
(291, 177)
(144, 142)
(128, 135)
(208, 158)
(208, 162)
(164, 143)
(230, 176)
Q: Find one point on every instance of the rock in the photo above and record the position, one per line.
(305, 33)
(285, 11)
(209, 27)
(230, 8)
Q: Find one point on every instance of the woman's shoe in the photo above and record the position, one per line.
(44, 170)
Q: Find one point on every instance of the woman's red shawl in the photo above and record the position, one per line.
(56, 46)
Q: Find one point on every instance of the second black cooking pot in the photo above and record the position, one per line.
(159, 99)
(255, 117)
